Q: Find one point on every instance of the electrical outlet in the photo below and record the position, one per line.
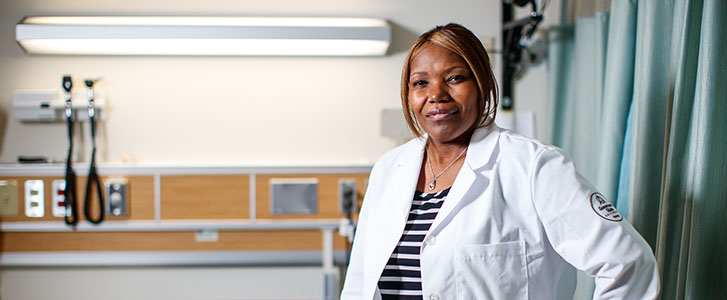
(347, 195)
(58, 198)
(34, 199)
(8, 198)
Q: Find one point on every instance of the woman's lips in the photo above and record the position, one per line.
(440, 114)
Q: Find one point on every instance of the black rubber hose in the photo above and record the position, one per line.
(69, 194)
(93, 180)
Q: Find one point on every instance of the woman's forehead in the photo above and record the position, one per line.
(431, 55)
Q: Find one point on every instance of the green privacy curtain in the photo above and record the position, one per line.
(689, 228)
(649, 128)
(577, 54)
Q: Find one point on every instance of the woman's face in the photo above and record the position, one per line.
(442, 93)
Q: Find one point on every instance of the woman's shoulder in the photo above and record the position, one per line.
(512, 139)
(526, 149)
(402, 154)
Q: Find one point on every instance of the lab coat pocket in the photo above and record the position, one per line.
(492, 271)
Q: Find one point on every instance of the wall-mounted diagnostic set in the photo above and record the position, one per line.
(49, 106)
(70, 193)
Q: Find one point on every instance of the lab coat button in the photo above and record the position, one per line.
(431, 241)
(433, 296)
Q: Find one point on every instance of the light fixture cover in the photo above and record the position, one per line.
(204, 36)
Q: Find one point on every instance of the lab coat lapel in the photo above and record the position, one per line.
(399, 194)
(390, 217)
(479, 153)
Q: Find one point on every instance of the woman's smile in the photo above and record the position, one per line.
(441, 114)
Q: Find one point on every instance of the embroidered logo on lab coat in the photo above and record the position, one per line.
(604, 208)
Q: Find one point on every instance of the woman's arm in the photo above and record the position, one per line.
(588, 232)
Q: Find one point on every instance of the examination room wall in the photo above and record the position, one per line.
(231, 110)
(223, 111)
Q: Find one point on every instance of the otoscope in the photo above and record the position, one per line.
(71, 216)
(92, 174)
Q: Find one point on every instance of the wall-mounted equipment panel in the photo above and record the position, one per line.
(233, 208)
(328, 195)
(293, 196)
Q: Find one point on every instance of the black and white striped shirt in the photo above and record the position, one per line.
(401, 278)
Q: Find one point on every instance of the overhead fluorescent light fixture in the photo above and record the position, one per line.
(226, 36)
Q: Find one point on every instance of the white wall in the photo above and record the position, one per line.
(228, 110)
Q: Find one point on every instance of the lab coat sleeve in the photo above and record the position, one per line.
(610, 250)
(353, 283)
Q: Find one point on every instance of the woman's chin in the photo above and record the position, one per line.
(449, 136)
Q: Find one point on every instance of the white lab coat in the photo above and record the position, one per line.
(516, 215)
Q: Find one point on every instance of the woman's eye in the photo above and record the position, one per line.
(418, 82)
(456, 78)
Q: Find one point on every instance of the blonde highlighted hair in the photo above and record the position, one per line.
(464, 43)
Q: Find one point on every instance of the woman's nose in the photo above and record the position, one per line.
(437, 94)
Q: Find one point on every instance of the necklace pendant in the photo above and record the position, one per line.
(433, 184)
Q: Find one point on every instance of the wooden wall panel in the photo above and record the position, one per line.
(205, 196)
(141, 190)
(327, 195)
(303, 240)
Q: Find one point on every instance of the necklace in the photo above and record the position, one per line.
(433, 184)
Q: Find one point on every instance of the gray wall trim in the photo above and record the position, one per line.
(165, 258)
(170, 225)
(114, 169)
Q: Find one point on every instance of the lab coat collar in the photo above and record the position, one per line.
(482, 146)
(480, 149)
(479, 153)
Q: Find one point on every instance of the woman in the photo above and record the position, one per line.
(470, 211)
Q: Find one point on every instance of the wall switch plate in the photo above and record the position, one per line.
(58, 198)
(8, 198)
(34, 199)
(347, 195)
(117, 197)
